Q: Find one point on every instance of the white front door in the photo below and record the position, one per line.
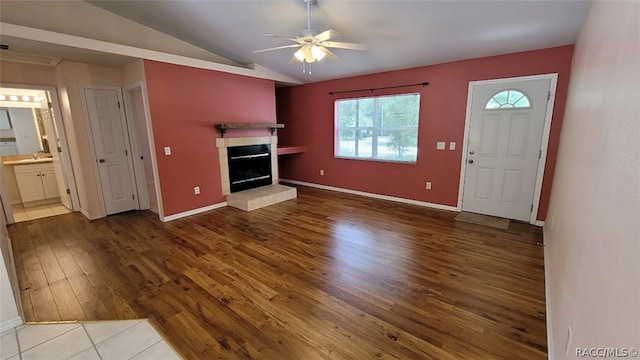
(55, 148)
(504, 146)
(111, 145)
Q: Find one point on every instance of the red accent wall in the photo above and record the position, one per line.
(185, 102)
(307, 112)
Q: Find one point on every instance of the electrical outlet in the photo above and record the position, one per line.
(440, 145)
(452, 145)
(428, 185)
(196, 190)
(167, 150)
(321, 172)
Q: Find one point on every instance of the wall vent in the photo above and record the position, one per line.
(33, 59)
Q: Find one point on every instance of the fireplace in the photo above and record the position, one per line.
(262, 155)
(249, 166)
(225, 147)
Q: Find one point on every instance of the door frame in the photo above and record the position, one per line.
(127, 90)
(67, 166)
(127, 141)
(544, 145)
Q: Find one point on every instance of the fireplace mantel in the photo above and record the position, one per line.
(224, 127)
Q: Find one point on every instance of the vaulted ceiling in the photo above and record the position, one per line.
(399, 34)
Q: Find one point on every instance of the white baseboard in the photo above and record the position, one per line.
(376, 196)
(10, 324)
(193, 212)
(547, 297)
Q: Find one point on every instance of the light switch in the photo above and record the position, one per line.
(440, 145)
(167, 150)
(452, 145)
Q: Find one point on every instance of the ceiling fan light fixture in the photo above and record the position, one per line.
(317, 53)
(310, 53)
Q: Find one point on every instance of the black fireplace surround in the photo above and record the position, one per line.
(249, 166)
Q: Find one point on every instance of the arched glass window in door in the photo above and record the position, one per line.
(508, 99)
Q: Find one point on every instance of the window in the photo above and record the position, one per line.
(378, 128)
(508, 99)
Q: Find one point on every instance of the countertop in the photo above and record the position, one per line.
(28, 161)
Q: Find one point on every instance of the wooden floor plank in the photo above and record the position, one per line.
(326, 276)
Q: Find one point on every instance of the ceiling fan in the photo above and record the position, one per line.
(313, 46)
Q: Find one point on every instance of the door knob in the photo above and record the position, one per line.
(472, 152)
(101, 160)
(470, 161)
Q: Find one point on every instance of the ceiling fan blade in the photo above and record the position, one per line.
(328, 53)
(281, 37)
(344, 45)
(277, 48)
(326, 35)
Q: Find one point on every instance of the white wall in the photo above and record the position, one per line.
(9, 314)
(592, 231)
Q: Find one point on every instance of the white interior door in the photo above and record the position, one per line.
(110, 139)
(504, 147)
(55, 148)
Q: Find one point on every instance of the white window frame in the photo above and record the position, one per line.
(373, 129)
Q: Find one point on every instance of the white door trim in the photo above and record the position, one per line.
(92, 154)
(147, 118)
(545, 135)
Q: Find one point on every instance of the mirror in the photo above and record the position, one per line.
(22, 131)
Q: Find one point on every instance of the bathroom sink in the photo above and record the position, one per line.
(27, 161)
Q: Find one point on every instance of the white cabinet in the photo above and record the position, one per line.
(36, 182)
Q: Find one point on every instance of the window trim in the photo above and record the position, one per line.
(374, 130)
(513, 107)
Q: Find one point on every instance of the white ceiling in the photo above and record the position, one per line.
(399, 34)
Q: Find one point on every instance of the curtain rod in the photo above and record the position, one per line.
(423, 84)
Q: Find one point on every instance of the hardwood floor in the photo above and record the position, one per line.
(326, 276)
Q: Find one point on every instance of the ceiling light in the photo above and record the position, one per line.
(310, 53)
(36, 98)
(26, 98)
(13, 98)
(2, 98)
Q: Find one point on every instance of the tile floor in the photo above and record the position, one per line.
(99, 340)
(21, 213)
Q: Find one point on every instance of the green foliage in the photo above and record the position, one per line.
(402, 140)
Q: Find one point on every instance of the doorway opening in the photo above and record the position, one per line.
(36, 172)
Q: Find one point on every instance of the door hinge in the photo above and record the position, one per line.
(49, 104)
(59, 149)
(540, 154)
(69, 191)
(126, 152)
(549, 96)
(133, 196)
(118, 104)
(531, 208)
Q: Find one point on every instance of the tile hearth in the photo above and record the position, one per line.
(260, 197)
